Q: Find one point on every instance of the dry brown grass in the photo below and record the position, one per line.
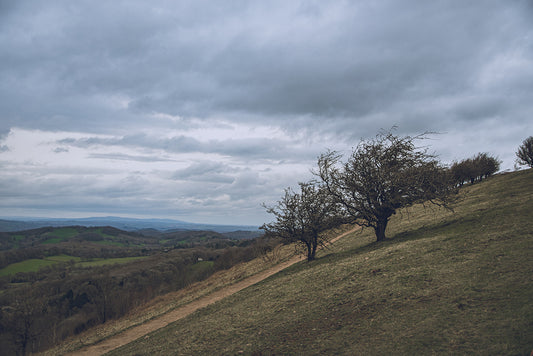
(446, 283)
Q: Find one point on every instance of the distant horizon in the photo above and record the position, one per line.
(115, 217)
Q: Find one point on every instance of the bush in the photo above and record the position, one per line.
(524, 154)
(474, 169)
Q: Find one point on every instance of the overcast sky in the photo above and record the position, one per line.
(202, 110)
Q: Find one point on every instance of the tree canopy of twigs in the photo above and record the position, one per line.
(524, 155)
(381, 176)
(304, 217)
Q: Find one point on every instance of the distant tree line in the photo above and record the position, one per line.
(474, 169)
(40, 309)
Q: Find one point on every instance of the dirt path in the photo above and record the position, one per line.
(139, 331)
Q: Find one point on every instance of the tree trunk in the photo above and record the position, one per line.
(380, 228)
(313, 252)
(311, 248)
(310, 255)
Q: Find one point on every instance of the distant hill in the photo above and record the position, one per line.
(104, 237)
(128, 224)
(70, 238)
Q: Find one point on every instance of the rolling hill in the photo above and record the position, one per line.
(9, 224)
(444, 283)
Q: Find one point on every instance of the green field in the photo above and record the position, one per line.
(102, 262)
(110, 243)
(33, 265)
(18, 237)
(454, 283)
(60, 234)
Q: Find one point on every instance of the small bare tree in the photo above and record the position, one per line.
(524, 155)
(304, 217)
(381, 176)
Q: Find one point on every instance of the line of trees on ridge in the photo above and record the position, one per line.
(474, 169)
(380, 176)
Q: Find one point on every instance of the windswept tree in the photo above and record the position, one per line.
(381, 176)
(304, 217)
(524, 155)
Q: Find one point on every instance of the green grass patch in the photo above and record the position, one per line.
(103, 234)
(60, 234)
(63, 258)
(33, 265)
(18, 237)
(64, 232)
(202, 265)
(54, 240)
(110, 243)
(102, 262)
(444, 283)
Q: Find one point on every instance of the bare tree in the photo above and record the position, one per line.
(304, 217)
(381, 176)
(524, 155)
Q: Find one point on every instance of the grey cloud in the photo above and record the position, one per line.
(206, 171)
(174, 144)
(339, 60)
(125, 157)
(243, 148)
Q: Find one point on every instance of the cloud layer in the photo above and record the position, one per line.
(205, 110)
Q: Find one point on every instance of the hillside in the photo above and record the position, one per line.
(452, 283)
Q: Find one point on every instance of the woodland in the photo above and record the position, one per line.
(56, 282)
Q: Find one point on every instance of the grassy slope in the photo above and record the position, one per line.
(452, 283)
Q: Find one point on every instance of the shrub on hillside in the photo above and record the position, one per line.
(474, 169)
(524, 154)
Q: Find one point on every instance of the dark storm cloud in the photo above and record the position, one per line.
(338, 60)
